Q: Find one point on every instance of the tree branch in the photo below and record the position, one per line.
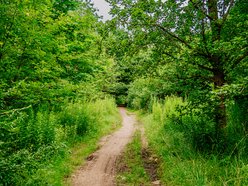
(202, 10)
(204, 36)
(240, 59)
(15, 110)
(227, 12)
(202, 66)
(199, 77)
(192, 62)
(205, 68)
(204, 56)
(172, 35)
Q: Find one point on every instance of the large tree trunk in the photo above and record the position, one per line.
(218, 73)
(220, 110)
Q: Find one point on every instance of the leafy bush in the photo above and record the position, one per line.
(142, 91)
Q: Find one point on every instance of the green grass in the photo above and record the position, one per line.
(130, 166)
(180, 164)
(47, 147)
(58, 172)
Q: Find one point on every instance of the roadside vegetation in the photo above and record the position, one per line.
(45, 147)
(52, 100)
(187, 154)
(182, 63)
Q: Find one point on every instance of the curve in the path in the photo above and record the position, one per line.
(100, 170)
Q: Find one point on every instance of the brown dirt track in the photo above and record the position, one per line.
(100, 168)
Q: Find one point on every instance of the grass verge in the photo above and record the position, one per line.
(63, 140)
(180, 164)
(130, 166)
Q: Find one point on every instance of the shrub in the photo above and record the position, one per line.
(187, 145)
(30, 138)
(199, 129)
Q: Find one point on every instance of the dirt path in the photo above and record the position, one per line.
(100, 169)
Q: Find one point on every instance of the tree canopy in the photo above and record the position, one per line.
(204, 43)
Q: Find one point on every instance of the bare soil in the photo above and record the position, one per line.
(151, 162)
(149, 159)
(100, 168)
(151, 165)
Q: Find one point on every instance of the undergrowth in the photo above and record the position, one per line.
(42, 146)
(183, 162)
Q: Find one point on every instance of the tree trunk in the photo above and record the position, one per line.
(220, 110)
(214, 21)
(218, 73)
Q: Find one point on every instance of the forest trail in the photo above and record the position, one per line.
(100, 168)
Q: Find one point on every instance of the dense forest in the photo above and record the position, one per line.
(63, 70)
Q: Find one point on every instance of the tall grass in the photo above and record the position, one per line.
(173, 136)
(35, 144)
